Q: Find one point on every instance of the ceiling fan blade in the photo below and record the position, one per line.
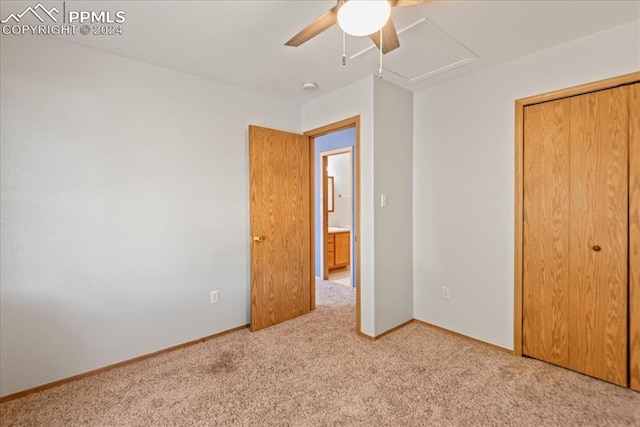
(402, 3)
(323, 22)
(389, 37)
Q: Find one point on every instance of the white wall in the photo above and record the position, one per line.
(124, 203)
(353, 100)
(464, 179)
(339, 166)
(393, 152)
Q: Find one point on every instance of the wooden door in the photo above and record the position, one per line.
(575, 233)
(545, 321)
(634, 236)
(598, 239)
(280, 210)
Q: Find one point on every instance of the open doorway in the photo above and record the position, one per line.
(338, 212)
(336, 149)
(335, 218)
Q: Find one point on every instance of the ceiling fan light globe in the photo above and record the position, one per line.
(363, 17)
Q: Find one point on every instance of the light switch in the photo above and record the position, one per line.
(383, 200)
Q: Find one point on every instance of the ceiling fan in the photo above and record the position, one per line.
(383, 32)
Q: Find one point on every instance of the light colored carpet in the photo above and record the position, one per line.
(314, 370)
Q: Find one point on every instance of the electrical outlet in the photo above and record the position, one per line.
(214, 297)
(445, 292)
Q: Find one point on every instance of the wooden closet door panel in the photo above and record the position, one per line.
(546, 232)
(598, 212)
(634, 236)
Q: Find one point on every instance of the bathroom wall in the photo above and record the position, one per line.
(339, 167)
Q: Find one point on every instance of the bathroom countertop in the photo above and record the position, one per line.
(339, 229)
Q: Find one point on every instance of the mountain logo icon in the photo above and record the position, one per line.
(16, 17)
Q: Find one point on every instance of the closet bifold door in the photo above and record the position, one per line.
(634, 236)
(575, 233)
(545, 286)
(598, 240)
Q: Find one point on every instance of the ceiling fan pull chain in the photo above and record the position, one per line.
(344, 48)
(380, 74)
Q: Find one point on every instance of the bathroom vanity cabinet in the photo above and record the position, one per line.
(338, 249)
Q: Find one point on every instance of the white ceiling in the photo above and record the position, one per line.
(241, 42)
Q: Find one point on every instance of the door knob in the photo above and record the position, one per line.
(258, 238)
(597, 248)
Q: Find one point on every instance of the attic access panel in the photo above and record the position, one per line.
(425, 51)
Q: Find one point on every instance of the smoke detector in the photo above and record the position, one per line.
(309, 86)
